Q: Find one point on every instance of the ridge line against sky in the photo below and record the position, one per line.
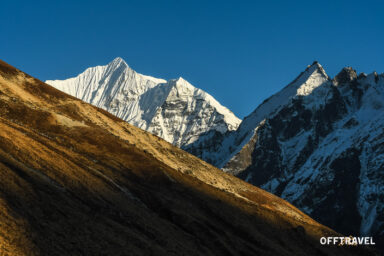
(240, 52)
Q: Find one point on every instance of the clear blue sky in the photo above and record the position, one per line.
(241, 52)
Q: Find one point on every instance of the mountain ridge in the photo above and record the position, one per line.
(319, 145)
(286, 135)
(166, 108)
(77, 180)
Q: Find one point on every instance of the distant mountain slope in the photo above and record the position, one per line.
(174, 110)
(319, 144)
(75, 180)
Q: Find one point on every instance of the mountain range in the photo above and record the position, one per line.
(174, 110)
(317, 143)
(76, 180)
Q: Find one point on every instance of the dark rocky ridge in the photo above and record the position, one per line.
(324, 153)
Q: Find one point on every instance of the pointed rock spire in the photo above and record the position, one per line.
(346, 75)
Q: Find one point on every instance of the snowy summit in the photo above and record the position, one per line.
(175, 110)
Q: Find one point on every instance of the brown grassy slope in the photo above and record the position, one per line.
(75, 180)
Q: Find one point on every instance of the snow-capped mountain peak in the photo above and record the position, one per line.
(313, 80)
(313, 77)
(310, 79)
(115, 87)
(318, 143)
(117, 61)
(174, 110)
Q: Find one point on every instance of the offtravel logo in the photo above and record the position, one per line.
(348, 241)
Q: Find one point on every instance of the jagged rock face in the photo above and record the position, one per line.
(174, 110)
(346, 75)
(322, 150)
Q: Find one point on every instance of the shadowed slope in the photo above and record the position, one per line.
(75, 180)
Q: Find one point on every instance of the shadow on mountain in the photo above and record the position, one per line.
(75, 180)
